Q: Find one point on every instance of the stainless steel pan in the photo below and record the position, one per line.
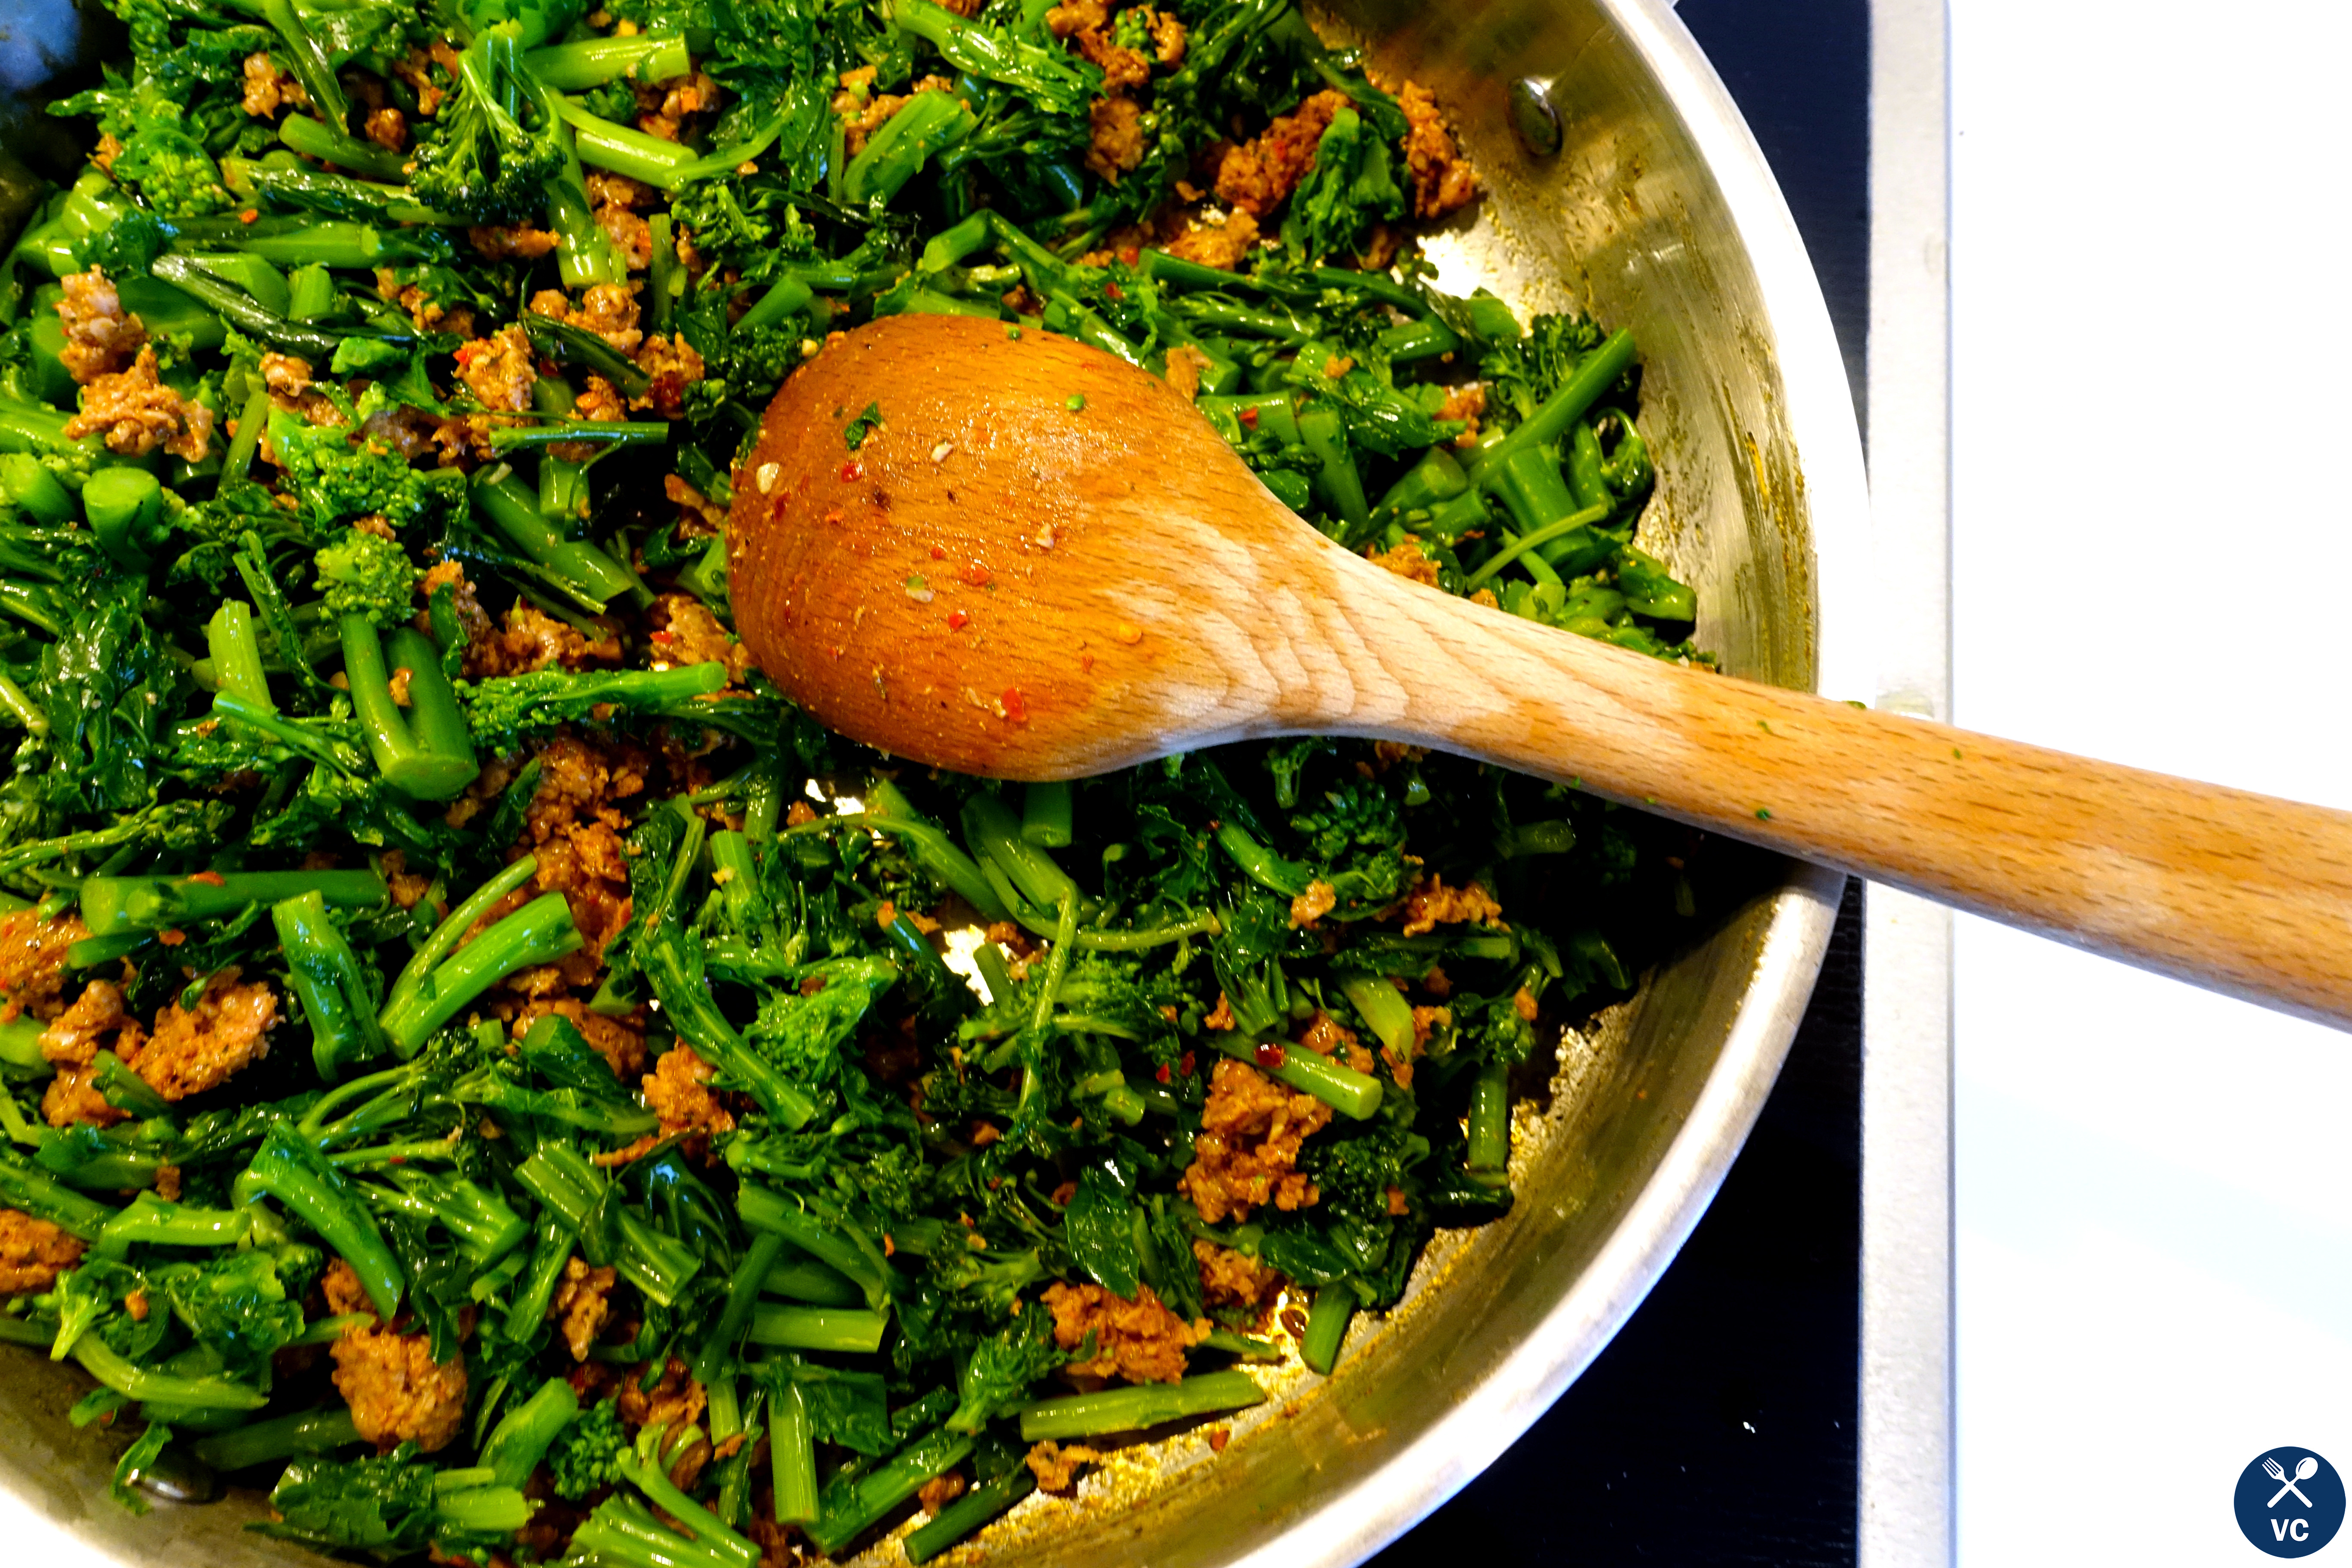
(1656, 212)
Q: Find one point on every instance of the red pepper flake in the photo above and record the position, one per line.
(1270, 1055)
(1113, 290)
(832, 515)
(171, 937)
(1016, 706)
(395, 1158)
(1129, 254)
(464, 354)
(662, 636)
(852, 471)
(210, 878)
(976, 574)
(1163, 1075)
(1185, 1064)
(1249, 417)
(1086, 664)
(938, 553)
(249, 215)
(958, 620)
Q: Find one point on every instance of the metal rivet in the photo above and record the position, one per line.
(178, 1476)
(1534, 121)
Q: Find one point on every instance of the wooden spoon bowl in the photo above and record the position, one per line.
(1042, 562)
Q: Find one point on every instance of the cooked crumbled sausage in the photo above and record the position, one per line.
(1406, 560)
(33, 1253)
(397, 1392)
(498, 370)
(1259, 175)
(190, 1052)
(514, 242)
(1116, 126)
(1140, 1341)
(101, 337)
(138, 413)
(1442, 177)
(1247, 1152)
(1431, 903)
(1235, 1282)
(1056, 1465)
(686, 632)
(269, 87)
(33, 961)
(582, 1305)
(1224, 246)
(75, 1037)
(676, 1401)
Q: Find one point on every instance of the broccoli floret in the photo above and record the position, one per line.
(584, 1454)
(364, 573)
(485, 165)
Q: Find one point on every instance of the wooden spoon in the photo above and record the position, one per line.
(1041, 563)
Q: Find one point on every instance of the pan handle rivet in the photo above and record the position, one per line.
(1534, 121)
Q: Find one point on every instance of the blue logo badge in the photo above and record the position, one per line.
(2290, 1502)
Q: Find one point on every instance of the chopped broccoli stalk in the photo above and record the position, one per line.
(523, 1435)
(1383, 1009)
(114, 904)
(1046, 815)
(427, 754)
(584, 251)
(281, 1437)
(853, 1506)
(25, 483)
(593, 62)
(551, 1250)
(623, 1533)
(126, 1377)
(804, 1279)
(1133, 1409)
(1488, 1156)
(656, 1263)
(852, 1255)
(415, 976)
(930, 122)
(314, 140)
(485, 1227)
(125, 507)
(26, 1187)
(1327, 1326)
(817, 1327)
(325, 976)
(501, 496)
(540, 932)
(742, 1295)
(648, 1476)
(791, 1452)
(158, 1222)
(969, 1514)
(235, 649)
(290, 1169)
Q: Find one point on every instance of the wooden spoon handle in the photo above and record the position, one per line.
(2236, 891)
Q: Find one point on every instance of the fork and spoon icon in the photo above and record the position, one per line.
(2305, 1467)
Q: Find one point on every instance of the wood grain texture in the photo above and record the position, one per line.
(998, 582)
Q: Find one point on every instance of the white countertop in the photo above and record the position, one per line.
(2151, 559)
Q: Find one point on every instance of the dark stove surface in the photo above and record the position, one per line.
(1719, 1426)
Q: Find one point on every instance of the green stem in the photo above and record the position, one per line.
(425, 754)
(791, 1452)
(1488, 1156)
(290, 1169)
(551, 1250)
(1595, 375)
(111, 904)
(1531, 540)
(521, 1436)
(1134, 1409)
(306, 1432)
(804, 1279)
(743, 1296)
(593, 62)
(969, 1514)
(1045, 818)
(1383, 1009)
(1327, 1325)
(540, 932)
(158, 1222)
(500, 497)
(849, 1512)
(104, 1363)
(452, 930)
(817, 1327)
(325, 976)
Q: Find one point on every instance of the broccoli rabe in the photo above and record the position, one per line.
(585, 1454)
